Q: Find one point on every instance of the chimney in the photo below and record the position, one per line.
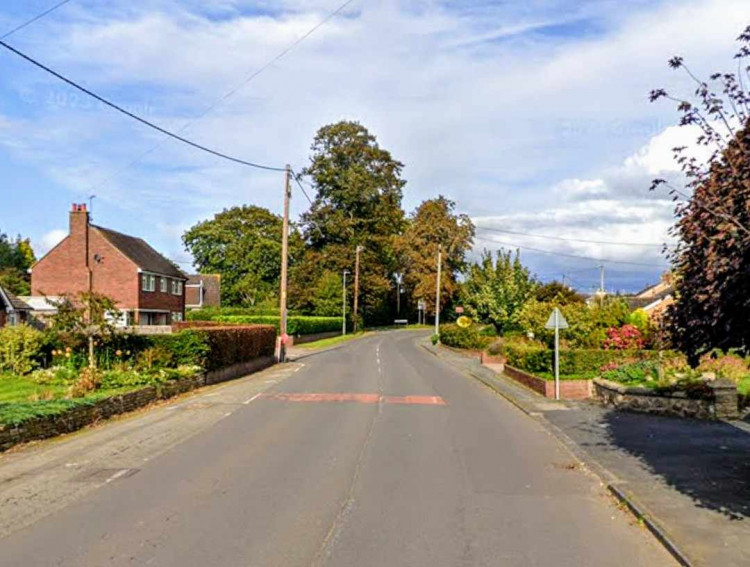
(79, 232)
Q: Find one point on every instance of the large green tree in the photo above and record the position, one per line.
(712, 260)
(16, 257)
(243, 244)
(496, 288)
(434, 225)
(357, 203)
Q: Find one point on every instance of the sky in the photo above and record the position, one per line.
(532, 116)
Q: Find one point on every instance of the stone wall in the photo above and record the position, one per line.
(569, 389)
(721, 405)
(81, 416)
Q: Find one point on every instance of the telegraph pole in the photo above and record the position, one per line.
(437, 291)
(343, 305)
(601, 284)
(355, 315)
(284, 265)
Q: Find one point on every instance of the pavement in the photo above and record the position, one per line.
(688, 479)
(371, 453)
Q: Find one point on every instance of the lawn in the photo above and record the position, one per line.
(20, 398)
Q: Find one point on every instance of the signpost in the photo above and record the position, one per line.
(421, 306)
(556, 321)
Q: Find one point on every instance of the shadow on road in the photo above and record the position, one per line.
(708, 461)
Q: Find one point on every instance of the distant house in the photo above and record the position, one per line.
(147, 288)
(13, 311)
(655, 299)
(203, 290)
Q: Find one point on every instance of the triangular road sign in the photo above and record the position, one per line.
(556, 320)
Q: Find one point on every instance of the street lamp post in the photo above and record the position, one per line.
(343, 304)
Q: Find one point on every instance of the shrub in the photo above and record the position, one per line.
(296, 325)
(576, 362)
(154, 357)
(20, 347)
(627, 337)
(730, 365)
(635, 372)
(188, 348)
(463, 337)
(232, 345)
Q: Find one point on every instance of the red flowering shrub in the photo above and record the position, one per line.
(627, 337)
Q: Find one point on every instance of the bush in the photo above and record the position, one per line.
(295, 325)
(575, 362)
(20, 347)
(215, 347)
(627, 337)
(463, 337)
(730, 365)
(212, 313)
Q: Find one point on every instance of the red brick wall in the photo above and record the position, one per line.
(64, 270)
(159, 300)
(569, 389)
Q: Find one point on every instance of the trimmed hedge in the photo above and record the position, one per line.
(463, 337)
(211, 313)
(295, 325)
(574, 362)
(217, 347)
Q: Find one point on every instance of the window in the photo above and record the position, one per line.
(163, 285)
(176, 317)
(176, 287)
(148, 282)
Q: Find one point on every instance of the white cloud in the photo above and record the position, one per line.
(477, 102)
(48, 241)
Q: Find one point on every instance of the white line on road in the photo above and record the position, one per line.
(255, 397)
(118, 474)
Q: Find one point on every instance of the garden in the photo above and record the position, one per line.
(605, 339)
(49, 372)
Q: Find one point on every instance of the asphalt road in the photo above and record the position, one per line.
(374, 453)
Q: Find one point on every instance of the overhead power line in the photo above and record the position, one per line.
(228, 94)
(591, 258)
(567, 239)
(135, 116)
(34, 19)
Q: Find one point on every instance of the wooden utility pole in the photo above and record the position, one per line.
(355, 314)
(437, 290)
(284, 265)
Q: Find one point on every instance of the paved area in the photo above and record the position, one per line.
(692, 477)
(371, 453)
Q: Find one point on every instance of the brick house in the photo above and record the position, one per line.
(203, 290)
(147, 287)
(13, 311)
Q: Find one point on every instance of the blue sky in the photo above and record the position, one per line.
(532, 116)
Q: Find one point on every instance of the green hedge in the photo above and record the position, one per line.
(574, 362)
(218, 347)
(296, 325)
(211, 313)
(463, 337)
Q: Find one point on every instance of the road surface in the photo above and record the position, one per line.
(374, 453)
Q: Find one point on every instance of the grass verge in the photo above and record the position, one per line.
(333, 341)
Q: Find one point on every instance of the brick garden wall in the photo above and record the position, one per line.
(569, 389)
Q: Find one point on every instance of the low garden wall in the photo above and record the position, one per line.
(89, 413)
(569, 389)
(720, 404)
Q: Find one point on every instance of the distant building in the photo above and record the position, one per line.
(147, 287)
(203, 290)
(655, 299)
(13, 311)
